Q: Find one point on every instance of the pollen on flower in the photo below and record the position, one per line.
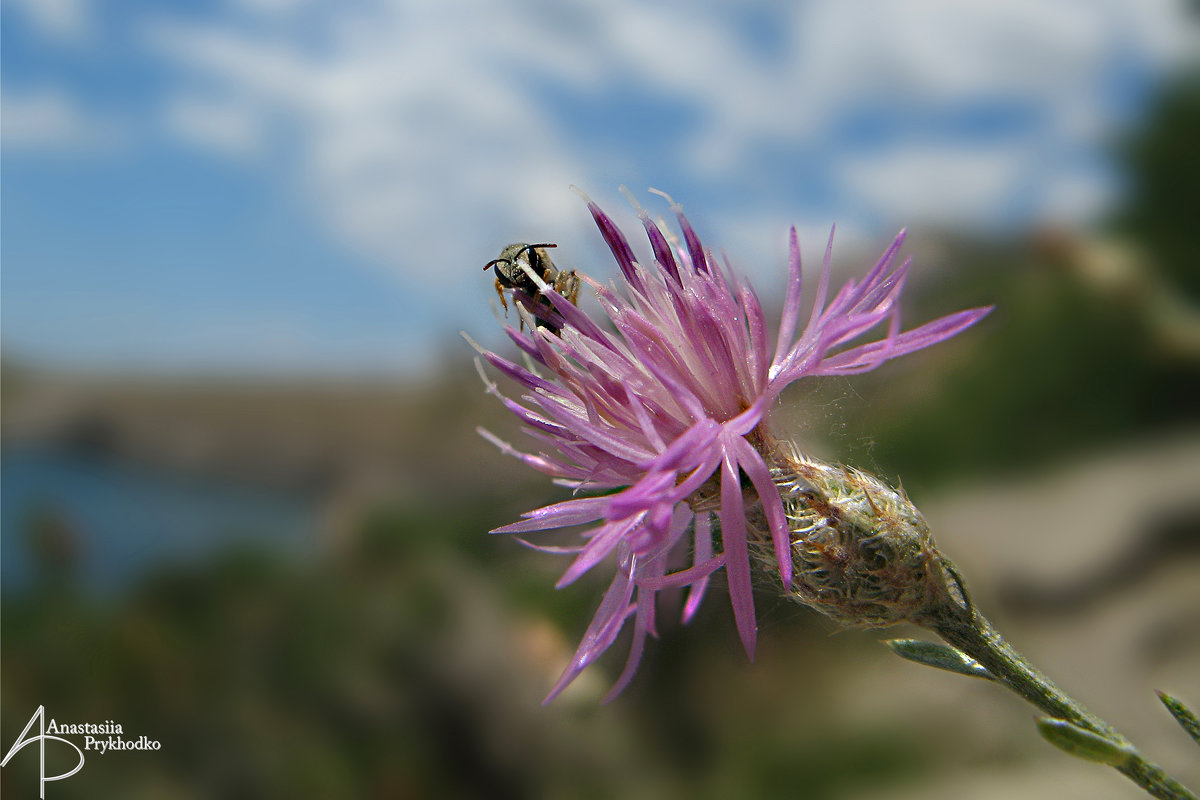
(657, 417)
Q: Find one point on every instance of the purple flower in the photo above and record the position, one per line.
(661, 417)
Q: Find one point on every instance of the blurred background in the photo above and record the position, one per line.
(244, 504)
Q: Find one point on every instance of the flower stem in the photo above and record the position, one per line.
(965, 628)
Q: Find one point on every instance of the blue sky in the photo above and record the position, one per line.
(296, 185)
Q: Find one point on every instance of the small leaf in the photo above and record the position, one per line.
(1182, 714)
(1071, 738)
(942, 656)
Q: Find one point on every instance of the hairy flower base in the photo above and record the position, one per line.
(861, 552)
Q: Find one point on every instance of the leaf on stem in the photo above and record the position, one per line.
(1182, 714)
(1071, 738)
(941, 656)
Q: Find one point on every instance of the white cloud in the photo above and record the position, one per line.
(407, 137)
(67, 21)
(972, 186)
(1072, 195)
(930, 55)
(952, 185)
(451, 127)
(273, 7)
(227, 126)
(50, 121)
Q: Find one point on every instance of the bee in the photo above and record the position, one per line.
(511, 275)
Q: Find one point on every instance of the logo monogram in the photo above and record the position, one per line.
(39, 717)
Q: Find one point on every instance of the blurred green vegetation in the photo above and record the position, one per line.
(411, 664)
(1162, 197)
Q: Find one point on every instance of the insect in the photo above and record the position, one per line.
(511, 275)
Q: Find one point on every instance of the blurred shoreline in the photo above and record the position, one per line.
(293, 434)
(345, 443)
(102, 524)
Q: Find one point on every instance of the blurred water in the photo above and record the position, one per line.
(101, 522)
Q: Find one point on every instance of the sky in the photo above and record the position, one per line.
(303, 186)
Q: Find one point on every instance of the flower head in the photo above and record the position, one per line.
(661, 417)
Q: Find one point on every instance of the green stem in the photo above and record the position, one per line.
(969, 631)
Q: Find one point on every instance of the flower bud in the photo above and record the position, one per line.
(861, 552)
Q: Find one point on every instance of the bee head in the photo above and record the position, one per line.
(510, 272)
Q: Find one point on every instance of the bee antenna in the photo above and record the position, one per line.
(493, 263)
(532, 246)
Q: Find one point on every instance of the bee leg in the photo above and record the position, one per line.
(566, 283)
(500, 293)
